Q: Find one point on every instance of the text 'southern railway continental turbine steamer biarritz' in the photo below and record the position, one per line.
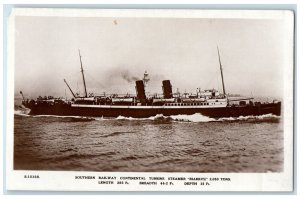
(209, 103)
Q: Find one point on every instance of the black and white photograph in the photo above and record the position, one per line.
(152, 98)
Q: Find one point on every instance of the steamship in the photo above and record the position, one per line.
(208, 102)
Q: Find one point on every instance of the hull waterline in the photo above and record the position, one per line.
(148, 111)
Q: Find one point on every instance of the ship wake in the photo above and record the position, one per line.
(21, 111)
(197, 117)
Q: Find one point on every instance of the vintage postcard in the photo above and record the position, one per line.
(150, 100)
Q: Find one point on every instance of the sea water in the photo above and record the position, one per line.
(182, 143)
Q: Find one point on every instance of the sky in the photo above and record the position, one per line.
(116, 51)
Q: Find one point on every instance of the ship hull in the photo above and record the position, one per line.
(148, 111)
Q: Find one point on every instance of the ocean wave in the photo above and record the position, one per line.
(197, 117)
(22, 112)
(70, 118)
(116, 134)
(250, 117)
(60, 116)
(73, 118)
(156, 117)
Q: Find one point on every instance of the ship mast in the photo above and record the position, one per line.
(69, 88)
(22, 95)
(82, 74)
(224, 92)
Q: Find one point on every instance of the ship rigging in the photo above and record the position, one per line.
(208, 102)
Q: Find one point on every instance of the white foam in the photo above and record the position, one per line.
(120, 117)
(158, 116)
(60, 116)
(244, 118)
(226, 119)
(183, 118)
(197, 117)
(270, 115)
(22, 112)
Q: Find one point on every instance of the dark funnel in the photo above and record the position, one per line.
(167, 89)
(140, 90)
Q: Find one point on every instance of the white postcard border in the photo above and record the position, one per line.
(66, 180)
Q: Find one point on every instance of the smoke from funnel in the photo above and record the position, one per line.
(128, 77)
